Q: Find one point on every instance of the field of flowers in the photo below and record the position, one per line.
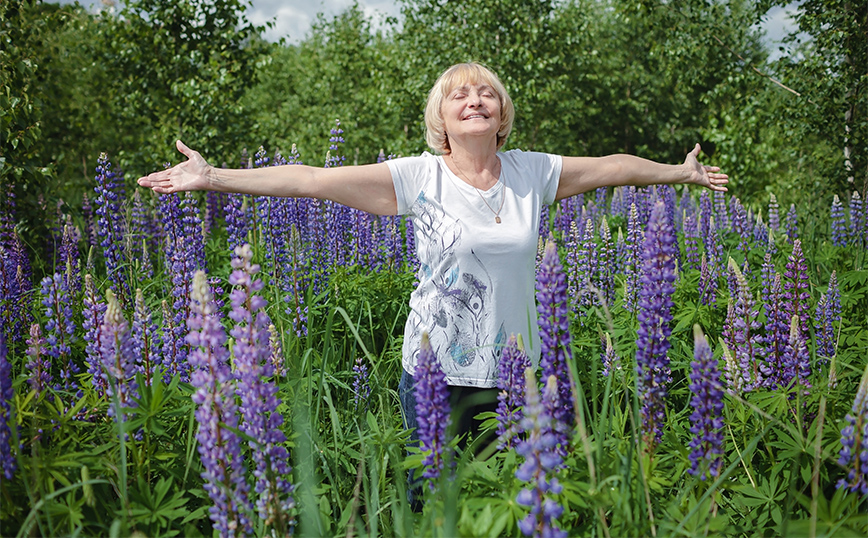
(207, 364)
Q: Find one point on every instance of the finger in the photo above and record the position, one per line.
(696, 150)
(184, 149)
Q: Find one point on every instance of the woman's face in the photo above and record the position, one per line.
(471, 110)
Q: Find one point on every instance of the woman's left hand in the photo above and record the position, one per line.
(706, 176)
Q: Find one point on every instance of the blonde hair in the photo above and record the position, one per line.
(460, 75)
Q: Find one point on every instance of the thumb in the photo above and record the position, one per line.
(696, 150)
(184, 149)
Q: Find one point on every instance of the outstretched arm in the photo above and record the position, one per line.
(367, 187)
(582, 174)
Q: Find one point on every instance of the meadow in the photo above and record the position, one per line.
(207, 364)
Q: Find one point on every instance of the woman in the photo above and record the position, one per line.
(475, 213)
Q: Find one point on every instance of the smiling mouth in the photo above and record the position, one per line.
(476, 116)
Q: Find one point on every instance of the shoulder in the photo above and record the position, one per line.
(532, 160)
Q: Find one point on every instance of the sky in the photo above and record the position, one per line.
(293, 18)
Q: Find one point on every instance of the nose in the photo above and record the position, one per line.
(475, 100)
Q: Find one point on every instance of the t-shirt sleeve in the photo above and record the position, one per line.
(409, 175)
(543, 170)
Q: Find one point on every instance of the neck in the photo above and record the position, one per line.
(480, 170)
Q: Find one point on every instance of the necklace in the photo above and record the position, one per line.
(484, 201)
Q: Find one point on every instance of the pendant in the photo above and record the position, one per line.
(497, 219)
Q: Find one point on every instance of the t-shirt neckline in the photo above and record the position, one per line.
(494, 189)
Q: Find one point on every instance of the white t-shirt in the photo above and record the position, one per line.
(476, 277)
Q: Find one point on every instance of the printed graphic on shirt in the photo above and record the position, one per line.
(456, 310)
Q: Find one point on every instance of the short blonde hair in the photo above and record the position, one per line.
(459, 75)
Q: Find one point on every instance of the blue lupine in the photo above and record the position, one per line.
(609, 357)
(140, 233)
(797, 359)
(774, 215)
(296, 283)
(828, 314)
(118, 362)
(39, 364)
(432, 410)
(216, 414)
(605, 264)
(796, 286)
(69, 259)
(760, 231)
(541, 461)
(634, 260)
(13, 296)
(7, 394)
(237, 219)
(792, 223)
(110, 224)
(707, 282)
(94, 315)
(621, 253)
(586, 269)
(361, 384)
(747, 341)
(277, 359)
(776, 335)
(555, 339)
(706, 421)
(691, 243)
(854, 442)
(510, 398)
(706, 213)
(652, 341)
(839, 225)
(60, 329)
(145, 339)
(740, 225)
(857, 219)
(261, 421)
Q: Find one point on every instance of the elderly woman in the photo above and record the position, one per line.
(475, 211)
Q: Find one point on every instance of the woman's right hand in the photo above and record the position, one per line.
(194, 174)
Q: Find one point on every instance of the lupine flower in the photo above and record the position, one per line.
(140, 233)
(541, 460)
(706, 213)
(691, 242)
(13, 293)
(774, 215)
(655, 304)
(731, 370)
(94, 315)
(117, 357)
(110, 224)
(792, 223)
(721, 214)
(610, 358)
(277, 360)
(634, 260)
(587, 267)
(854, 442)
(827, 315)
(747, 341)
(39, 364)
(760, 231)
(797, 359)
(218, 445)
(7, 459)
(361, 384)
(740, 225)
(839, 226)
(237, 220)
(510, 383)
(796, 284)
(706, 421)
(145, 339)
(707, 282)
(857, 219)
(262, 423)
(776, 335)
(432, 410)
(69, 258)
(555, 339)
(606, 262)
(296, 283)
(60, 329)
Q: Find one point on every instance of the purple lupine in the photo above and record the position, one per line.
(13, 296)
(740, 225)
(605, 264)
(60, 329)
(296, 284)
(510, 383)
(276, 358)
(857, 219)
(828, 314)
(94, 315)
(39, 364)
(361, 385)
(792, 223)
(721, 215)
(634, 259)
(796, 285)
(237, 219)
(110, 225)
(691, 242)
(774, 215)
(145, 339)
(839, 225)
(706, 213)
(118, 363)
(707, 282)
(797, 359)
(619, 265)
(644, 200)
(747, 340)
(217, 414)
(776, 335)
(586, 269)
(139, 236)
(706, 421)
(854, 442)
(555, 339)
(652, 341)
(7, 393)
(541, 461)
(69, 258)
(609, 357)
(432, 410)
(261, 421)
